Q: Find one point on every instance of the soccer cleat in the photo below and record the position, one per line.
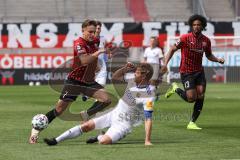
(50, 142)
(92, 140)
(171, 90)
(192, 125)
(34, 136)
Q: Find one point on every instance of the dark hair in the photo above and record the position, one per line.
(89, 22)
(98, 23)
(197, 17)
(146, 69)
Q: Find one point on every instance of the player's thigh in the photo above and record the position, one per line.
(116, 133)
(101, 95)
(96, 91)
(103, 121)
(188, 81)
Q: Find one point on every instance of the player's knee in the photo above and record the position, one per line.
(107, 101)
(86, 127)
(105, 142)
(59, 110)
(191, 99)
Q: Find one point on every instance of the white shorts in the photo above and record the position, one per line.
(101, 78)
(117, 130)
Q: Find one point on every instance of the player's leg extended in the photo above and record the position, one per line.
(103, 100)
(200, 88)
(113, 135)
(71, 133)
(51, 115)
(198, 103)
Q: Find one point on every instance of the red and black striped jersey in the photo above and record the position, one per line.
(80, 72)
(192, 49)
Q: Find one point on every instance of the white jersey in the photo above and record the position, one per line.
(128, 112)
(102, 63)
(135, 100)
(153, 55)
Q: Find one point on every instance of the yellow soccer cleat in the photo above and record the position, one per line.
(171, 90)
(192, 125)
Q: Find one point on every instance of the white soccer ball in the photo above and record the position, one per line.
(39, 122)
(31, 83)
(38, 83)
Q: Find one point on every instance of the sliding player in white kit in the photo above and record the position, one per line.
(138, 98)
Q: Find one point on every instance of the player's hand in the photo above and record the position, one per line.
(163, 69)
(130, 67)
(101, 50)
(221, 60)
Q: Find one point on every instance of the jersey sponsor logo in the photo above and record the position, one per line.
(201, 51)
(80, 49)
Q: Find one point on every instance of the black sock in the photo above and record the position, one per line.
(51, 115)
(197, 109)
(96, 107)
(182, 94)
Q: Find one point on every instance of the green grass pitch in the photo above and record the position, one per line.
(219, 139)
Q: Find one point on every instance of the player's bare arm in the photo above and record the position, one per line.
(90, 58)
(169, 55)
(119, 74)
(213, 58)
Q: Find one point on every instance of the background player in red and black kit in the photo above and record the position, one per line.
(81, 79)
(193, 45)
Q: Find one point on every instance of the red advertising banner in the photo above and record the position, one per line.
(58, 35)
(32, 61)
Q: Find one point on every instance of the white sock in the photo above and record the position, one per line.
(71, 133)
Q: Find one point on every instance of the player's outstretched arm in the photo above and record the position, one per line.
(90, 58)
(119, 74)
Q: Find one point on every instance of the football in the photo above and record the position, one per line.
(39, 122)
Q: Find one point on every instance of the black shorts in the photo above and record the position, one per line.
(72, 89)
(191, 80)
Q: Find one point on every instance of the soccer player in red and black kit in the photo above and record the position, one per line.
(81, 79)
(193, 45)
